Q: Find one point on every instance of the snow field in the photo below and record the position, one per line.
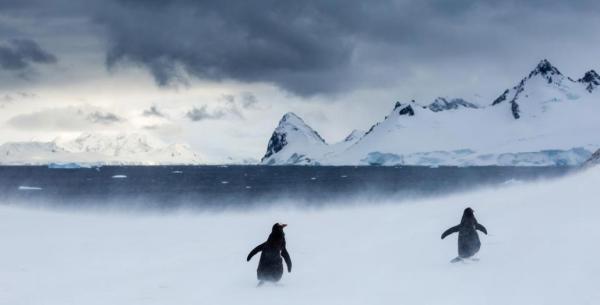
(542, 248)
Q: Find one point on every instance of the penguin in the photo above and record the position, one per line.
(270, 266)
(468, 240)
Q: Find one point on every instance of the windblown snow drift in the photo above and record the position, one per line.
(541, 249)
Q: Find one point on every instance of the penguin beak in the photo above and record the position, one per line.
(283, 225)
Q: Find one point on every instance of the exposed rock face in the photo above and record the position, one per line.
(442, 104)
(276, 143)
(594, 159)
(354, 136)
(591, 80)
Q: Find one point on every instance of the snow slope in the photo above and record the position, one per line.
(546, 119)
(98, 149)
(541, 249)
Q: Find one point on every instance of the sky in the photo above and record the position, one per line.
(219, 75)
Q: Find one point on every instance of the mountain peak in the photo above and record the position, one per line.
(545, 72)
(291, 126)
(290, 117)
(591, 79)
(544, 68)
(589, 76)
(295, 122)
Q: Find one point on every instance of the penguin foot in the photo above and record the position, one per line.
(456, 260)
(260, 283)
(464, 260)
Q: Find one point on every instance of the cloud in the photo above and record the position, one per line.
(202, 113)
(249, 100)
(250, 42)
(13, 98)
(317, 47)
(168, 132)
(5, 100)
(20, 54)
(226, 105)
(312, 47)
(104, 118)
(67, 118)
(153, 112)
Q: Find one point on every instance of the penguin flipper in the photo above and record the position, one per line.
(450, 231)
(286, 257)
(254, 251)
(481, 228)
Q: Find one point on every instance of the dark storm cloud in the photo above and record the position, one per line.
(287, 43)
(313, 46)
(323, 46)
(20, 54)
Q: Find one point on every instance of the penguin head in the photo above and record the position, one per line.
(278, 227)
(468, 215)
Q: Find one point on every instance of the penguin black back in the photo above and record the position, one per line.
(468, 239)
(270, 265)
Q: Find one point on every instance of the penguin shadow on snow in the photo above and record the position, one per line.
(468, 239)
(273, 252)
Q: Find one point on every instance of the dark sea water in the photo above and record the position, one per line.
(215, 187)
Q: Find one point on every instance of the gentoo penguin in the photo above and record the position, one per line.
(468, 240)
(270, 266)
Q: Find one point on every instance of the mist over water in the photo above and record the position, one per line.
(241, 187)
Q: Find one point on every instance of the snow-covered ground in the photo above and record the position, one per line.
(543, 247)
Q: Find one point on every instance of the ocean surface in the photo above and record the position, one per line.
(224, 187)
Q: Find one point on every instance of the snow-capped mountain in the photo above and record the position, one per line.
(543, 87)
(98, 149)
(546, 119)
(293, 141)
(121, 144)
